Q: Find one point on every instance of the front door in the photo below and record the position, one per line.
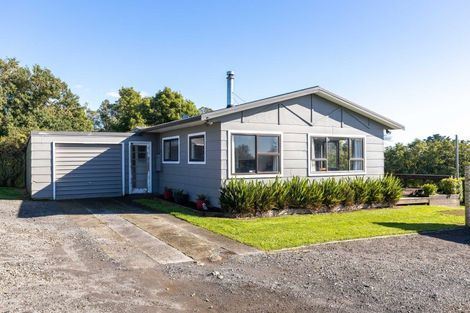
(140, 167)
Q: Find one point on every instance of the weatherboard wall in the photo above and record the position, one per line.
(39, 163)
(296, 119)
(194, 179)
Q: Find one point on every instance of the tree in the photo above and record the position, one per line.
(168, 105)
(433, 155)
(203, 110)
(132, 110)
(32, 99)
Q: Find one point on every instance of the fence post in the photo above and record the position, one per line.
(467, 196)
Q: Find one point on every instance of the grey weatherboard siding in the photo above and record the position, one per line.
(39, 164)
(313, 111)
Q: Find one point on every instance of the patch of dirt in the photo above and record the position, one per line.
(70, 263)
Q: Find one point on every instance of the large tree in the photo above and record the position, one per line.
(131, 110)
(433, 155)
(32, 99)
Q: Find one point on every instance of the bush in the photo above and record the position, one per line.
(361, 190)
(315, 195)
(238, 196)
(298, 193)
(332, 195)
(391, 189)
(347, 192)
(376, 191)
(429, 189)
(450, 186)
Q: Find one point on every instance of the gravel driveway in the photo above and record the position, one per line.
(52, 263)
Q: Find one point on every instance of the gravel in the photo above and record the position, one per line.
(51, 262)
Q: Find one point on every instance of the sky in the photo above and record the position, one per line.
(407, 60)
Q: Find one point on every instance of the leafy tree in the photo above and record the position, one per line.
(433, 155)
(132, 110)
(168, 105)
(203, 110)
(32, 99)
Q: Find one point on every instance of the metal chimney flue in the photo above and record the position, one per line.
(230, 78)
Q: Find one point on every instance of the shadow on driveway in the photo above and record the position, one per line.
(449, 232)
(29, 209)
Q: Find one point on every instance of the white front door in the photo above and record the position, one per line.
(140, 167)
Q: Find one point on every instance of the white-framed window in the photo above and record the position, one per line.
(171, 150)
(197, 148)
(329, 155)
(257, 154)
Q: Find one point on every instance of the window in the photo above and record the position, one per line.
(197, 148)
(171, 147)
(256, 154)
(336, 154)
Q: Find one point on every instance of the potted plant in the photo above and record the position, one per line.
(180, 196)
(201, 202)
(168, 194)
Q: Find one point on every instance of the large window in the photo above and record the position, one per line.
(171, 149)
(196, 148)
(256, 154)
(336, 154)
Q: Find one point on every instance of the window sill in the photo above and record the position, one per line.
(352, 173)
(255, 175)
(170, 162)
(197, 162)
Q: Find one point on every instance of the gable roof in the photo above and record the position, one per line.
(316, 90)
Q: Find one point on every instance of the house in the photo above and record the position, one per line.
(310, 133)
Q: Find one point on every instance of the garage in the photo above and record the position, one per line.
(87, 170)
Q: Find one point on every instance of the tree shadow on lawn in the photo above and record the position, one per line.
(449, 232)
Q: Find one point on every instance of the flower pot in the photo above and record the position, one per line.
(167, 195)
(200, 204)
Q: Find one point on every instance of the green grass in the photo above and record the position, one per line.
(274, 233)
(10, 193)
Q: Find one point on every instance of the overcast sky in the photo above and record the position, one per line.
(407, 60)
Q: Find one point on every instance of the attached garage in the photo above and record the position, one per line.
(88, 170)
(70, 165)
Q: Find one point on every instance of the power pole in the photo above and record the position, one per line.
(457, 165)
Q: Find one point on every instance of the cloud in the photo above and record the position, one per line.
(113, 94)
(144, 94)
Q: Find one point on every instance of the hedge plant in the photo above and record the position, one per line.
(239, 196)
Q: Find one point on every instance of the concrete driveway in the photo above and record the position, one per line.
(111, 257)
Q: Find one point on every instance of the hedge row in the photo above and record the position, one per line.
(240, 196)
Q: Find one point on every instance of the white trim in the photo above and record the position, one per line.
(148, 144)
(163, 150)
(189, 148)
(334, 173)
(231, 157)
(123, 169)
(53, 170)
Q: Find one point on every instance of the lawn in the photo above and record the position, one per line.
(272, 233)
(10, 193)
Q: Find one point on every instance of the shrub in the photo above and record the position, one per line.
(391, 189)
(429, 189)
(347, 192)
(263, 196)
(280, 193)
(298, 193)
(450, 186)
(236, 197)
(331, 193)
(315, 195)
(375, 188)
(361, 190)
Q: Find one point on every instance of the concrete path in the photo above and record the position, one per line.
(162, 237)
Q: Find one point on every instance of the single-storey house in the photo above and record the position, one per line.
(309, 133)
